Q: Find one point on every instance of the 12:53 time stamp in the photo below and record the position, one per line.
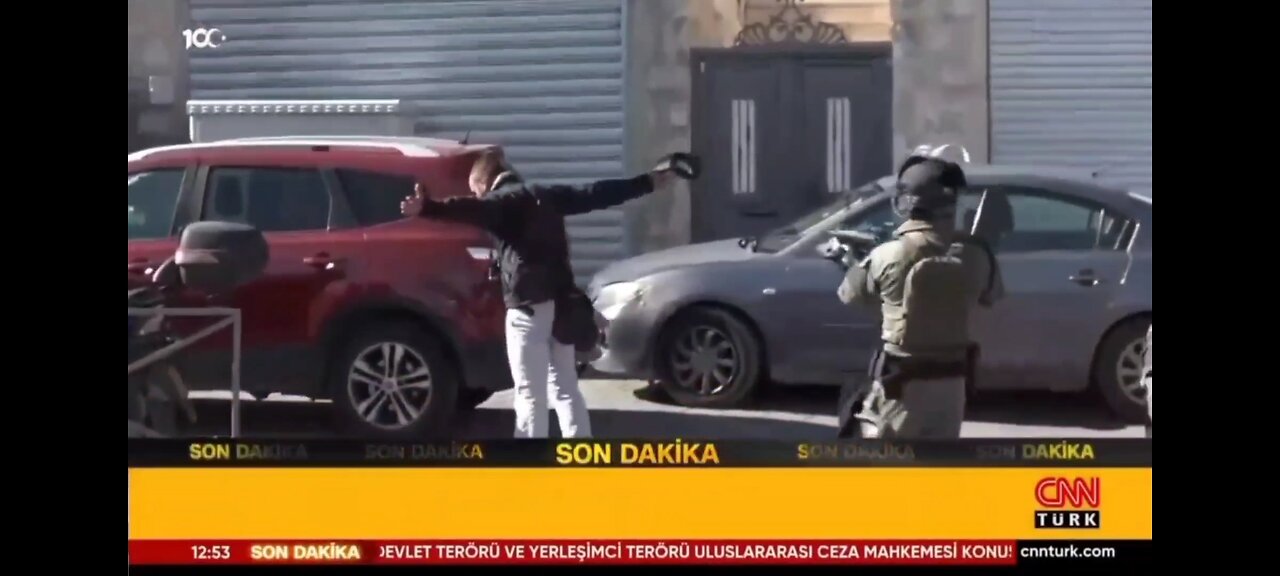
(215, 552)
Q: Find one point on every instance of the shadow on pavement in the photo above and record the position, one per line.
(1024, 408)
(612, 423)
(312, 420)
(1082, 410)
(280, 419)
(593, 374)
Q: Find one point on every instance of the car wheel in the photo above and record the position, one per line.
(1118, 370)
(709, 359)
(393, 380)
(471, 398)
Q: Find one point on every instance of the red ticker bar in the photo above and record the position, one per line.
(547, 552)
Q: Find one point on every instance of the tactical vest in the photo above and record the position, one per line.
(933, 314)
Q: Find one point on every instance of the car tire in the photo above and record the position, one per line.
(424, 381)
(709, 359)
(471, 398)
(1117, 372)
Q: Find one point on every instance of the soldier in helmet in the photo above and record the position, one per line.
(924, 281)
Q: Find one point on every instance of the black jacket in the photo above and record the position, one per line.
(528, 224)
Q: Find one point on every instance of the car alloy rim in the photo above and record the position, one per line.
(389, 385)
(704, 361)
(1129, 370)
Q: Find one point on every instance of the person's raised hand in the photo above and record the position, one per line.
(412, 205)
(685, 165)
(662, 180)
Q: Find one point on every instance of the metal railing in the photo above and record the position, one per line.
(230, 318)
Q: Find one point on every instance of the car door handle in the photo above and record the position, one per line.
(1084, 278)
(323, 261)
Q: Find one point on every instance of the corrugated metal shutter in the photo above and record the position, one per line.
(1071, 86)
(542, 77)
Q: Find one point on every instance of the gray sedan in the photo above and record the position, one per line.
(712, 321)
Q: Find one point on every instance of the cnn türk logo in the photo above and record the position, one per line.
(1069, 502)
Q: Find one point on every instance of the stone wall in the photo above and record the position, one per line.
(660, 34)
(158, 78)
(940, 75)
(658, 97)
(861, 20)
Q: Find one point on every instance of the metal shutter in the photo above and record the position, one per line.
(543, 78)
(1071, 86)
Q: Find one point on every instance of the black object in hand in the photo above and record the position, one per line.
(855, 238)
(834, 250)
(683, 164)
(847, 247)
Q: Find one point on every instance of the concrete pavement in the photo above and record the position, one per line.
(782, 413)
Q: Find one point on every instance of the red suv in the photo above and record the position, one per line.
(397, 320)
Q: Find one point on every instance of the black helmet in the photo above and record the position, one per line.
(927, 182)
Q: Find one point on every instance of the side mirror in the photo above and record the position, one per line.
(167, 275)
(219, 256)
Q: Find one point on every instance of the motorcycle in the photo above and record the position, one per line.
(212, 258)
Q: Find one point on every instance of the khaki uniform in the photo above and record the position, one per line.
(917, 385)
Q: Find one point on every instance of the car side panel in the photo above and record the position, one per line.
(635, 338)
(289, 309)
(1134, 294)
(280, 313)
(428, 263)
(818, 339)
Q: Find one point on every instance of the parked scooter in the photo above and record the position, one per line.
(212, 259)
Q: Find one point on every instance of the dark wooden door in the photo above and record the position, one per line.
(780, 132)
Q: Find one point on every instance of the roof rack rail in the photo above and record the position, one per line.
(415, 150)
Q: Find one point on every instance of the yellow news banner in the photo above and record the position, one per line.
(637, 503)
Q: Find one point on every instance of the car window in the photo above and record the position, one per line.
(1046, 221)
(270, 199)
(967, 210)
(879, 220)
(153, 197)
(1114, 230)
(375, 197)
(820, 218)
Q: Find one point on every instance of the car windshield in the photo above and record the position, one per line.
(783, 236)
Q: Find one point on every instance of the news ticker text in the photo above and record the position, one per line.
(613, 552)
(640, 453)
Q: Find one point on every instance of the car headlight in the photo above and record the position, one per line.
(614, 297)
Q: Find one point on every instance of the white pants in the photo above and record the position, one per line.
(544, 370)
